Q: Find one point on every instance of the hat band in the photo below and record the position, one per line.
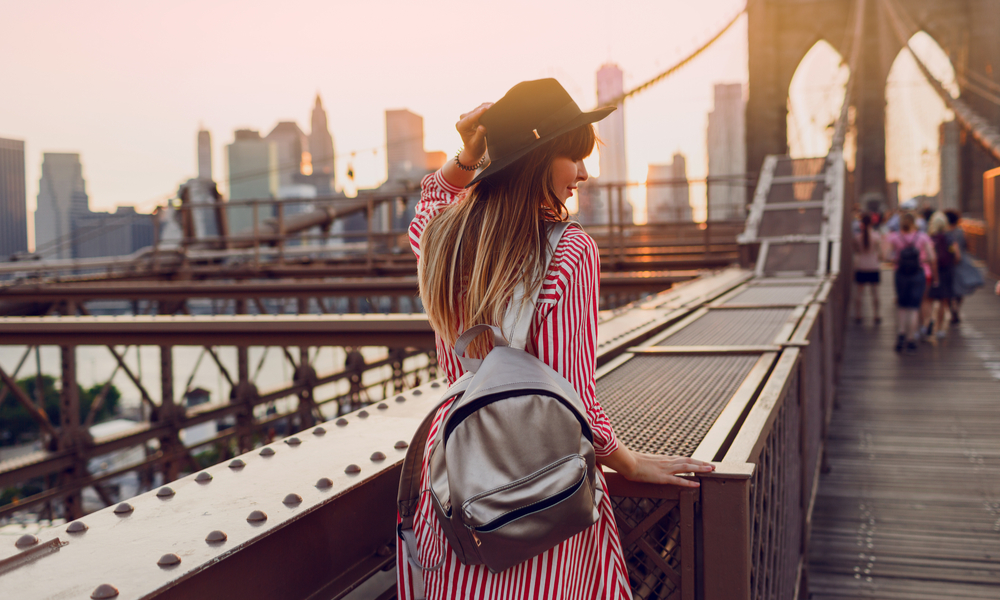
(553, 122)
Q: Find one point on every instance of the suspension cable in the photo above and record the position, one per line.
(982, 131)
(642, 87)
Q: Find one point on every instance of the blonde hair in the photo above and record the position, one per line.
(476, 251)
(937, 223)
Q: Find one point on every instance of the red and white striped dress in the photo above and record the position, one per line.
(589, 565)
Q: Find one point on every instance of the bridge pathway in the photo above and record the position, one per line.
(911, 506)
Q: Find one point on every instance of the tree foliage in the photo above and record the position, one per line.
(18, 426)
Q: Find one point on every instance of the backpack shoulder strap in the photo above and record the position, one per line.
(519, 314)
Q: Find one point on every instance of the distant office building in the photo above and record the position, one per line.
(668, 194)
(321, 151)
(614, 167)
(949, 148)
(13, 200)
(122, 232)
(291, 146)
(204, 154)
(253, 163)
(62, 199)
(727, 154)
(406, 159)
(610, 85)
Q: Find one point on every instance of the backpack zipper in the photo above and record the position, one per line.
(529, 510)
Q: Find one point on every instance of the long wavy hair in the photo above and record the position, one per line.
(476, 251)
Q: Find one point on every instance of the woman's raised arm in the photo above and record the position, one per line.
(474, 141)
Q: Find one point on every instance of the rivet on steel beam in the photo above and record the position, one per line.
(324, 483)
(164, 492)
(267, 451)
(292, 500)
(216, 537)
(203, 477)
(352, 469)
(104, 591)
(77, 527)
(124, 509)
(319, 431)
(435, 385)
(293, 441)
(342, 422)
(417, 392)
(26, 541)
(363, 414)
(237, 463)
(257, 516)
(400, 445)
(382, 406)
(400, 399)
(378, 457)
(169, 560)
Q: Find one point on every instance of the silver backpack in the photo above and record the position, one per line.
(512, 466)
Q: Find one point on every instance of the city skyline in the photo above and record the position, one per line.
(134, 133)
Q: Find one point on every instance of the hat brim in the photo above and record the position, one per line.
(583, 119)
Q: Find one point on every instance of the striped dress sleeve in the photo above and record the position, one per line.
(435, 194)
(565, 326)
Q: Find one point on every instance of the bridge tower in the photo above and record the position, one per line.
(781, 32)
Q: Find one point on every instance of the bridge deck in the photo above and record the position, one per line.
(911, 507)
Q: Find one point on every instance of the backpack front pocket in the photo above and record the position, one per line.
(515, 522)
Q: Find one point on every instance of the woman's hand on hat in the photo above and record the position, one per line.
(473, 134)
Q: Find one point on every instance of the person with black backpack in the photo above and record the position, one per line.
(916, 264)
(501, 493)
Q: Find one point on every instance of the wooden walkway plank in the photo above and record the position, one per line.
(910, 508)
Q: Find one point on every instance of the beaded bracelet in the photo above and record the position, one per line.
(482, 161)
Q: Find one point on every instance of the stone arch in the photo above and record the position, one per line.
(813, 105)
(913, 116)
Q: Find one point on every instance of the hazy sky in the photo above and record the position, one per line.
(127, 84)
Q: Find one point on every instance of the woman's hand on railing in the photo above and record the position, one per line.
(650, 468)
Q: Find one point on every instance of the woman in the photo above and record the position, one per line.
(867, 264)
(967, 277)
(913, 255)
(947, 254)
(473, 247)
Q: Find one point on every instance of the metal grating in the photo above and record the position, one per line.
(773, 294)
(736, 327)
(804, 221)
(666, 404)
(654, 559)
(800, 256)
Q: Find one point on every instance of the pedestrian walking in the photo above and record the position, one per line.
(967, 277)
(477, 238)
(946, 251)
(867, 266)
(912, 253)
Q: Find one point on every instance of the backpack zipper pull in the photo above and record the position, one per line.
(476, 538)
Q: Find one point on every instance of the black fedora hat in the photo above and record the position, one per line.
(530, 114)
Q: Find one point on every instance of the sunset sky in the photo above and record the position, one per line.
(127, 84)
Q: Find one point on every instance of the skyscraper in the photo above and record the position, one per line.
(321, 151)
(727, 154)
(289, 142)
(610, 85)
(204, 154)
(404, 141)
(13, 200)
(668, 203)
(253, 163)
(62, 199)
